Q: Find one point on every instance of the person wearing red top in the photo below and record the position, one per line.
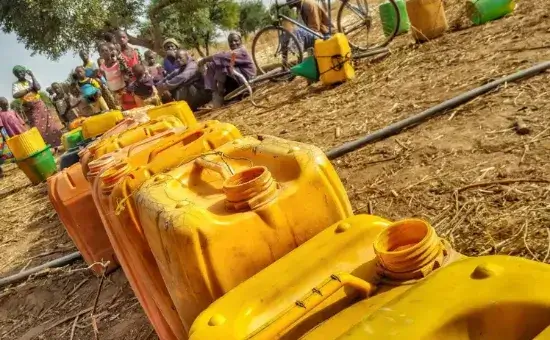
(130, 54)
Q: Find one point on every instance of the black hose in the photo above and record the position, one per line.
(55, 263)
(465, 97)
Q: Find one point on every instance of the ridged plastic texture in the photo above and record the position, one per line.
(236, 211)
(26, 144)
(180, 110)
(101, 123)
(122, 223)
(427, 17)
(71, 196)
(334, 59)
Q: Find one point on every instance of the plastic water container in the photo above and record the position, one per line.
(38, 166)
(96, 125)
(72, 138)
(427, 18)
(482, 11)
(26, 144)
(122, 223)
(216, 221)
(71, 196)
(388, 17)
(334, 59)
(136, 134)
(180, 110)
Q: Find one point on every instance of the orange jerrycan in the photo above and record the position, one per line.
(71, 196)
(180, 110)
(219, 219)
(124, 229)
(329, 283)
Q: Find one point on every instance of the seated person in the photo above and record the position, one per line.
(219, 77)
(153, 67)
(186, 82)
(143, 88)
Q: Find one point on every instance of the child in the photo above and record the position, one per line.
(90, 89)
(153, 67)
(117, 75)
(10, 121)
(143, 87)
(63, 102)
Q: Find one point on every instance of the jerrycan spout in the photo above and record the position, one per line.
(249, 189)
(409, 250)
(111, 176)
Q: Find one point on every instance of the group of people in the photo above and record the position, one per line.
(123, 79)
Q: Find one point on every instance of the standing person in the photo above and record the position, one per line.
(38, 114)
(116, 74)
(63, 103)
(88, 64)
(185, 83)
(219, 77)
(153, 67)
(12, 124)
(170, 47)
(313, 15)
(130, 54)
(90, 89)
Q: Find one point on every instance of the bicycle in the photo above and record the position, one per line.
(279, 58)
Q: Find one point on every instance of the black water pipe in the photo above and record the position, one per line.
(465, 97)
(52, 264)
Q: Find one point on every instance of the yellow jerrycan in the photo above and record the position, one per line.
(136, 134)
(180, 110)
(122, 224)
(334, 59)
(216, 221)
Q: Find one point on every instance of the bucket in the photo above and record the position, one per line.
(39, 166)
(388, 17)
(427, 18)
(26, 144)
(482, 11)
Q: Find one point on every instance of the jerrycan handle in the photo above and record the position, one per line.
(224, 170)
(272, 328)
(185, 139)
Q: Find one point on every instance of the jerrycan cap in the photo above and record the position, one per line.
(249, 189)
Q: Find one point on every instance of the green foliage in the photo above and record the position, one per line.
(195, 25)
(253, 16)
(53, 27)
(45, 98)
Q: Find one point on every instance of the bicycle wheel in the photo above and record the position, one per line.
(360, 21)
(274, 48)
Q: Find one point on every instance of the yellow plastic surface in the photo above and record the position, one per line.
(180, 109)
(344, 247)
(136, 134)
(427, 18)
(125, 231)
(334, 59)
(491, 297)
(98, 124)
(26, 144)
(206, 244)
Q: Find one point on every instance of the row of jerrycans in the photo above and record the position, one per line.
(191, 210)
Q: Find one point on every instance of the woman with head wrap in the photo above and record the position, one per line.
(170, 46)
(219, 76)
(26, 89)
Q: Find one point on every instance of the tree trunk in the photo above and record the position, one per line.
(199, 50)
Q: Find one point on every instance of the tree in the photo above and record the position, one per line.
(195, 26)
(17, 106)
(253, 16)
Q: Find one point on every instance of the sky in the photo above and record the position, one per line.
(45, 70)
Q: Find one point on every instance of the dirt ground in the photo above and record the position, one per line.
(484, 186)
